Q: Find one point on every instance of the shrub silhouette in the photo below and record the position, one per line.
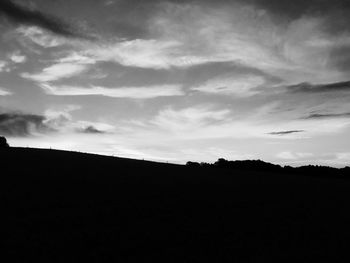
(3, 143)
(259, 165)
(193, 164)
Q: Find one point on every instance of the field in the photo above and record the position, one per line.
(74, 207)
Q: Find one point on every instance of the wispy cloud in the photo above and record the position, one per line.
(17, 57)
(158, 54)
(40, 36)
(287, 155)
(56, 72)
(208, 122)
(117, 92)
(241, 86)
(4, 66)
(4, 92)
(186, 35)
(189, 119)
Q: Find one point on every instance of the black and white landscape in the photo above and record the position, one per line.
(175, 130)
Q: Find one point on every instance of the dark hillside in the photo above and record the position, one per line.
(73, 207)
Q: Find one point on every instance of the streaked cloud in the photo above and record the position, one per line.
(206, 122)
(56, 72)
(328, 115)
(241, 86)
(140, 53)
(190, 119)
(281, 133)
(117, 92)
(4, 92)
(40, 37)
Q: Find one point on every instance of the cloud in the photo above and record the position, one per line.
(23, 15)
(189, 119)
(187, 35)
(140, 53)
(19, 124)
(54, 121)
(119, 92)
(242, 86)
(340, 56)
(60, 118)
(109, 2)
(285, 132)
(336, 11)
(344, 156)
(183, 35)
(40, 37)
(77, 58)
(207, 122)
(201, 73)
(315, 88)
(328, 115)
(4, 66)
(56, 72)
(17, 57)
(90, 130)
(4, 92)
(286, 155)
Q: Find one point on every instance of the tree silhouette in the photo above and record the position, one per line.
(3, 143)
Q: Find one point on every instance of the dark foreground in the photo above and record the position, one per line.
(71, 207)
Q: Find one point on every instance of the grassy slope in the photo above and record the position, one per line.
(72, 207)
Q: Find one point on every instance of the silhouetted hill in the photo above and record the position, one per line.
(73, 207)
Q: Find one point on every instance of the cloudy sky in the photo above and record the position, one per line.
(179, 80)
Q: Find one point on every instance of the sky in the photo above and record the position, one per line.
(179, 80)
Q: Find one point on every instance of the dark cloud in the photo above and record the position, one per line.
(297, 8)
(23, 15)
(286, 132)
(310, 88)
(327, 115)
(18, 124)
(340, 57)
(90, 129)
(335, 12)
